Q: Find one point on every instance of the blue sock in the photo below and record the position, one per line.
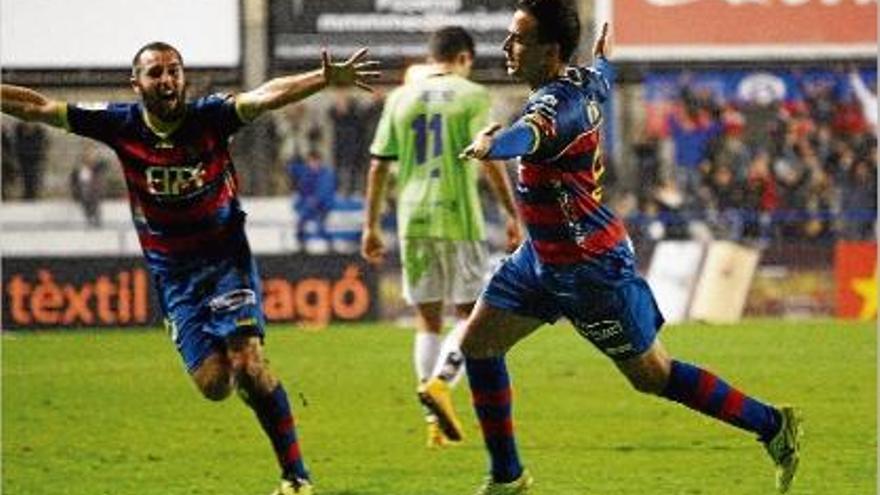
(276, 418)
(702, 391)
(491, 393)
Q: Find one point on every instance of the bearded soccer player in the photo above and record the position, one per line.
(425, 125)
(183, 191)
(577, 260)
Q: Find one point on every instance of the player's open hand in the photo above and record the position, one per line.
(372, 246)
(353, 72)
(481, 145)
(602, 47)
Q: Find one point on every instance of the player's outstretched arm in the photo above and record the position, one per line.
(495, 143)
(284, 90)
(27, 104)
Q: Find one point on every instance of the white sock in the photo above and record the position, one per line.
(450, 364)
(426, 350)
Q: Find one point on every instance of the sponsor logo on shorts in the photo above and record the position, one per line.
(599, 331)
(233, 300)
(607, 335)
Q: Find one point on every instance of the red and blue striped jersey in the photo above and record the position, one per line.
(182, 188)
(558, 187)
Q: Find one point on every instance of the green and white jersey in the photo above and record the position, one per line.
(424, 126)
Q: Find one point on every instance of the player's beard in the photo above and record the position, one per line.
(165, 108)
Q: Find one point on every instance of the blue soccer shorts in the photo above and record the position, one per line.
(208, 301)
(606, 300)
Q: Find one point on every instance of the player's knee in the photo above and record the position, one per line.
(216, 391)
(213, 378)
(475, 347)
(252, 375)
(215, 386)
(647, 384)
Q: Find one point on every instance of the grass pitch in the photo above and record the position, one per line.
(93, 413)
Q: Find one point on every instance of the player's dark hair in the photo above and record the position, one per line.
(558, 22)
(159, 46)
(447, 42)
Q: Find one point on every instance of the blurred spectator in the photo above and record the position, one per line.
(761, 198)
(646, 152)
(9, 160)
(731, 151)
(255, 148)
(314, 186)
(348, 135)
(859, 203)
(664, 217)
(298, 134)
(726, 200)
(30, 148)
(87, 183)
(692, 130)
(369, 114)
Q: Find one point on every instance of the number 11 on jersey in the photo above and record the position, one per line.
(425, 127)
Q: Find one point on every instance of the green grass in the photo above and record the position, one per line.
(92, 413)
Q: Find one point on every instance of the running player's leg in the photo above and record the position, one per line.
(263, 392)
(428, 338)
(625, 329)
(467, 265)
(779, 429)
(654, 372)
(490, 332)
(442, 422)
(512, 306)
(450, 363)
(424, 287)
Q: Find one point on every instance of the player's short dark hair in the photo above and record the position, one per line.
(558, 22)
(447, 42)
(159, 46)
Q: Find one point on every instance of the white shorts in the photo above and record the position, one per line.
(440, 270)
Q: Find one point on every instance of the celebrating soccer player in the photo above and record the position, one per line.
(425, 125)
(577, 260)
(183, 191)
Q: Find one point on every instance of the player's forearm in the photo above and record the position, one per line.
(605, 68)
(376, 179)
(499, 183)
(279, 92)
(517, 140)
(27, 104)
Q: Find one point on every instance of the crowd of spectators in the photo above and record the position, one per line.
(769, 169)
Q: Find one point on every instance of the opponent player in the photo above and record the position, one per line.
(577, 260)
(424, 126)
(183, 191)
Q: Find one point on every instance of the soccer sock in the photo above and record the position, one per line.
(426, 350)
(450, 364)
(702, 391)
(274, 412)
(491, 392)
